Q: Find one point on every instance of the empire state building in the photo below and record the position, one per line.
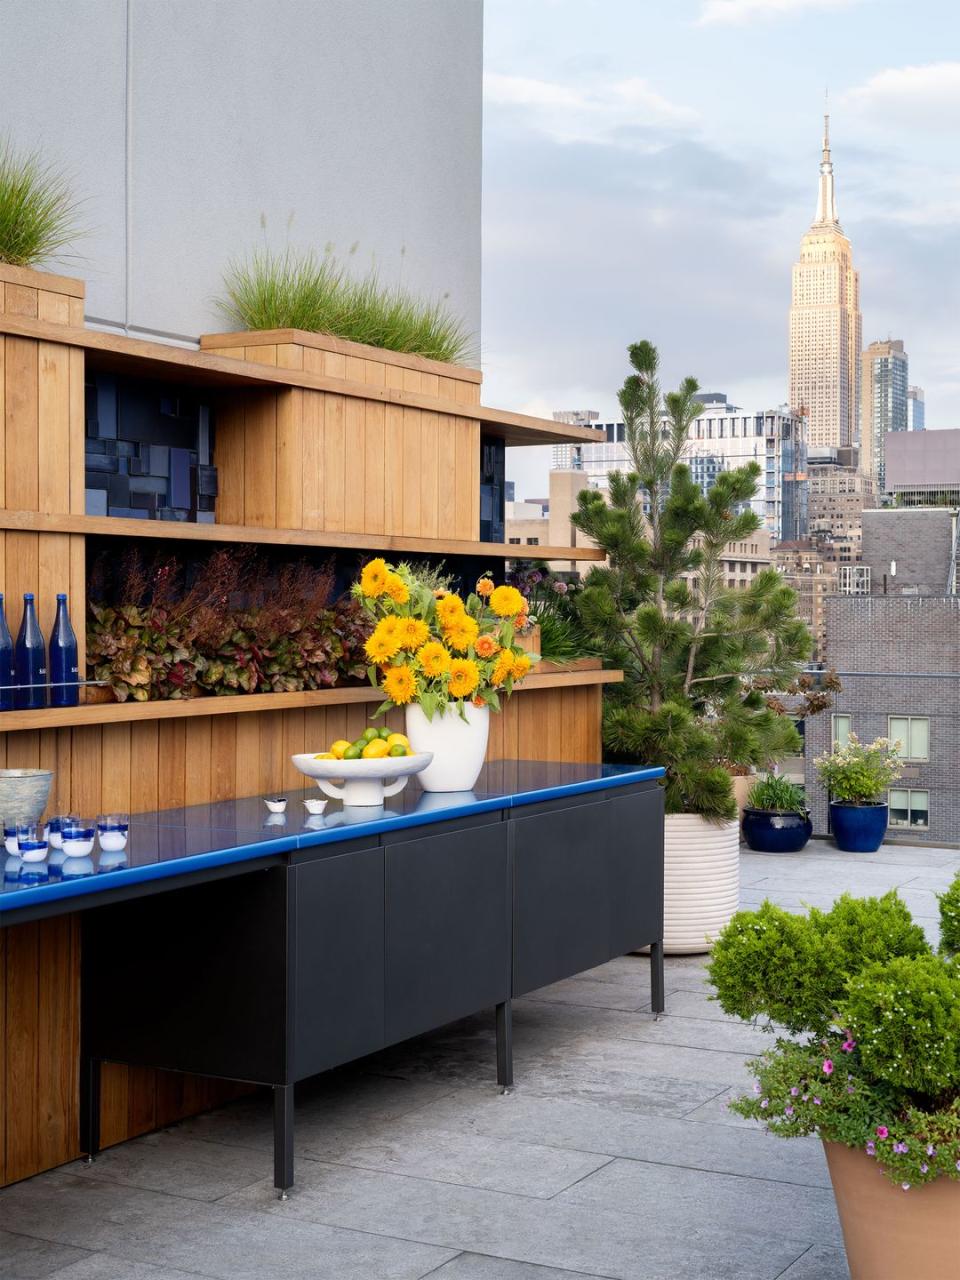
(825, 323)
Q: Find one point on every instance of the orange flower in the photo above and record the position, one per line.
(464, 677)
(486, 647)
(521, 665)
(503, 667)
(396, 589)
(478, 702)
(485, 587)
(399, 684)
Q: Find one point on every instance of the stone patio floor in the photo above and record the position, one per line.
(615, 1156)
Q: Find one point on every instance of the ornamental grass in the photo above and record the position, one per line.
(314, 292)
(38, 213)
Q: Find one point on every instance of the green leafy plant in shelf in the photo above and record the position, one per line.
(315, 292)
(38, 213)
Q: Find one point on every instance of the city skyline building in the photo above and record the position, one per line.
(884, 386)
(916, 409)
(563, 456)
(825, 323)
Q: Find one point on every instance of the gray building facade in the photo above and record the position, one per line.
(195, 132)
(910, 551)
(898, 658)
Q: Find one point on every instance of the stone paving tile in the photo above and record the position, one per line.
(675, 1196)
(589, 992)
(27, 1258)
(716, 1110)
(214, 1240)
(171, 1162)
(591, 1238)
(417, 1148)
(590, 1126)
(476, 1266)
(106, 1266)
(820, 1264)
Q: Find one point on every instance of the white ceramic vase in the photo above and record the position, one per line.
(459, 746)
(701, 890)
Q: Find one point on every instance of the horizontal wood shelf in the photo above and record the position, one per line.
(176, 708)
(120, 527)
(111, 352)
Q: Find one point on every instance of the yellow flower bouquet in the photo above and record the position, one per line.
(433, 648)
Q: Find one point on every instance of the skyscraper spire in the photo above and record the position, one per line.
(827, 199)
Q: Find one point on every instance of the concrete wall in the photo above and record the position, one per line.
(918, 539)
(922, 458)
(184, 123)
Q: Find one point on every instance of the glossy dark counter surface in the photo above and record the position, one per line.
(175, 842)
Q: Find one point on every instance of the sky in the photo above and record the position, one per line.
(650, 167)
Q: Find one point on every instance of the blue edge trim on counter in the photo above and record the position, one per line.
(173, 842)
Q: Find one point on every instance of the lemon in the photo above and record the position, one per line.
(338, 748)
(398, 740)
(375, 749)
(326, 755)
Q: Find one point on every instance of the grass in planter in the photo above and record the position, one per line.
(313, 292)
(776, 793)
(38, 214)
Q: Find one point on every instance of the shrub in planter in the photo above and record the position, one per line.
(950, 919)
(857, 777)
(38, 214)
(775, 817)
(877, 1078)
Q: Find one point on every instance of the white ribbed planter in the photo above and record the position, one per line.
(701, 888)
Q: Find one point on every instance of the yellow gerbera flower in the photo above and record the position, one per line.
(384, 643)
(449, 609)
(399, 684)
(434, 659)
(373, 579)
(464, 677)
(396, 589)
(413, 633)
(461, 633)
(506, 602)
(503, 667)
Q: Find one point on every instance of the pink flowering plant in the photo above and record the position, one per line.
(873, 1061)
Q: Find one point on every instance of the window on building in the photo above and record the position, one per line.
(913, 734)
(514, 540)
(840, 730)
(533, 542)
(909, 808)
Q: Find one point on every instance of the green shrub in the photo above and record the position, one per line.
(859, 773)
(950, 919)
(774, 793)
(793, 970)
(38, 214)
(905, 1017)
(313, 292)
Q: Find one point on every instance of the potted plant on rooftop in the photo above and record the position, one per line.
(775, 817)
(445, 659)
(690, 648)
(857, 776)
(871, 1066)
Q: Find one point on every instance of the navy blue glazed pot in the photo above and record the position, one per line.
(858, 828)
(776, 830)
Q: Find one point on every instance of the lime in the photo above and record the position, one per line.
(384, 733)
(354, 752)
(398, 749)
(369, 734)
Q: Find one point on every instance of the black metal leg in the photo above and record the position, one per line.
(657, 1002)
(283, 1139)
(505, 1045)
(90, 1107)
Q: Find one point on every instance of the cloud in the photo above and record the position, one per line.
(604, 113)
(908, 97)
(739, 12)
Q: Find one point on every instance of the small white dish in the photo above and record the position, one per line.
(113, 841)
(277, 805)
(275, 820)
(315, 806)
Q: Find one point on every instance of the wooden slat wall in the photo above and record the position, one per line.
(308, 459)
(133, 767)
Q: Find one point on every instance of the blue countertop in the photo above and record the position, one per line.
(174, 842)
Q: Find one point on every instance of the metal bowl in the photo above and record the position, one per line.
(24, 794)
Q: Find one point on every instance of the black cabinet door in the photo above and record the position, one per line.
(337, 947)
(589, 884)
(448, 926)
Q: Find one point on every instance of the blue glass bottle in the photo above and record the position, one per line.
(30, 660)
(6, 663)
(64, 673)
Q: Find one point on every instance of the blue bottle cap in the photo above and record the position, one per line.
(61, 595)
(28, 595)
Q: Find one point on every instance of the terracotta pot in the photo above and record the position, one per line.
(892, 1234)
(701, 881)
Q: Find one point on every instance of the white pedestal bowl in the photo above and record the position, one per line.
(365, 783)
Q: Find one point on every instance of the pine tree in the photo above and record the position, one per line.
(690, 647)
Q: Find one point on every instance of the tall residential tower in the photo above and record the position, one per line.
(825, 323)
(885, 380)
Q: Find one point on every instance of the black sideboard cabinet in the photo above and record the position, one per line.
(335, 952)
